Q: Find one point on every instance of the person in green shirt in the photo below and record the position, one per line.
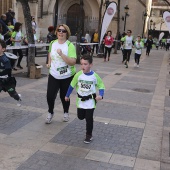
(86, 81)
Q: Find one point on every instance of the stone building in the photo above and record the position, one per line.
(157, 24)
(51, 12)
(5, 5)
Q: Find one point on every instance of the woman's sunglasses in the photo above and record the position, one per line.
(61, 30)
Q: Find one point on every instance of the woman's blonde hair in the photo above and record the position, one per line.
(66, 28)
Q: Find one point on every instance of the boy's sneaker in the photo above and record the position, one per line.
(66, 117)
(49, 118)
(88, 139)
(19, 101)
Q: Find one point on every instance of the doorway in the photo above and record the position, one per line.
(73, 19)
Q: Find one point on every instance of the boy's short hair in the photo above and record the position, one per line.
(88, 58)
(2, 43)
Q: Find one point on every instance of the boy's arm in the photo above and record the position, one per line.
(71, 87)
(101, 87)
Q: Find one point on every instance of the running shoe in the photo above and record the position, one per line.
(49, 118)
(66, 117)
(88, 139)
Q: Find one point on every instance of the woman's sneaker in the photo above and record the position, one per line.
(88, 139)
(49, 118)
(66, 117)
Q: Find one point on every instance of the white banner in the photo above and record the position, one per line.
(166, 17)
(108, 15)
(161, 35)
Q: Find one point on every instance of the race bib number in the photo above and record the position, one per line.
(85, 85)
(63, 70)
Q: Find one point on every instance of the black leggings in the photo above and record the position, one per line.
(107, 50)
(148, 49)
(18, 51)
(127, 53)
(137, 58)
(54, 85)
(88, 115)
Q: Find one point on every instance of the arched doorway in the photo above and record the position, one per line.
(73, 18)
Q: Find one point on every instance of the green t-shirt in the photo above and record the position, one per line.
(59, 68)
(86, 85)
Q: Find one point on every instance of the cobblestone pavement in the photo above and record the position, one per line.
(131, 123)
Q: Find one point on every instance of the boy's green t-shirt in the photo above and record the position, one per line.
(86, 85)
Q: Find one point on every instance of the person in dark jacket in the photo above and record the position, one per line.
(4, 26)
(7, 82)
(50, 37)
(149, 43)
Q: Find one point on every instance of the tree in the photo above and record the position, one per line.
(29, 32)
(100, 16)
(118, 26)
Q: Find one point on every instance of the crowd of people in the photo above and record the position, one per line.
(61, 62)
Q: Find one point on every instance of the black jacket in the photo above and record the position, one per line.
(5, 66)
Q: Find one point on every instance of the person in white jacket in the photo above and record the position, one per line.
(138, 51)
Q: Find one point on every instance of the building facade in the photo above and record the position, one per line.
(156, 23)
(52, 12)
(5, 5)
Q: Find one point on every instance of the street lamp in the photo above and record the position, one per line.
(151, 22)
(145, 15)
(126, 9)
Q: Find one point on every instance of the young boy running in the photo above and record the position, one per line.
(138, 45)
(7, 83)
(86, 82)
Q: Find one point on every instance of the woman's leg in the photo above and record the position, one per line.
(64, 85)
(105, 54)
(52, 90)
(109, 51)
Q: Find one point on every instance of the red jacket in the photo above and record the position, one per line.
(108, 41)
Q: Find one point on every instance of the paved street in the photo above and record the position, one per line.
(131, 123)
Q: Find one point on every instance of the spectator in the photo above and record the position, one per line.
(34, 24)
(1, 36)
(3, 23)
(16, 39)
(9, 16)
(95, 39)
(50, 37)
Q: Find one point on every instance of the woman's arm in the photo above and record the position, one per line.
(49, 61)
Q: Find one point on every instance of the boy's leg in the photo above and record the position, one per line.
(81, 113)
(89, 121)
(89, 125)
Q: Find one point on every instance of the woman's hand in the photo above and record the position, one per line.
(59, 51)
(48, 66)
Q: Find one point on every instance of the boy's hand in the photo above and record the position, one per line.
(98, 98)
(67, 99)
